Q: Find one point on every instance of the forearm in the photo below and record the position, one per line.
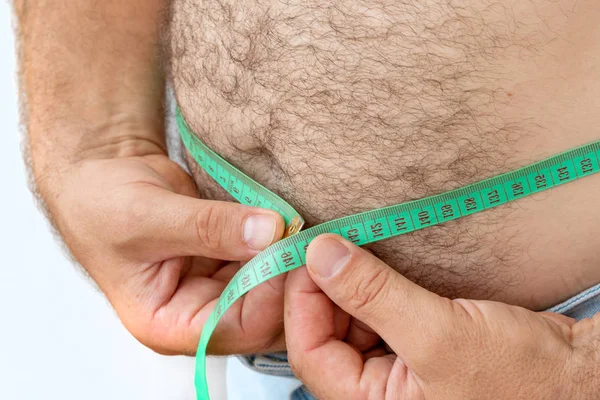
(91, 79)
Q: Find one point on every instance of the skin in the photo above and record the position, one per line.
(440, 349)
(343, 106)
(92, 87)
(92, 96)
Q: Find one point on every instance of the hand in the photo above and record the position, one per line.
(162, 256)
(444, 349)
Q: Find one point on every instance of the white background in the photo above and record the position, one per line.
(59, 339)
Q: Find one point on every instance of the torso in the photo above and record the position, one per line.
(345, 106)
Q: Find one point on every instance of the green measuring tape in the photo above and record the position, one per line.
(367, 227)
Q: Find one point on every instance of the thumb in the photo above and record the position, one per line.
(173, 225)
(412, 320)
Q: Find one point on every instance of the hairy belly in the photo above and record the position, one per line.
(345, 106)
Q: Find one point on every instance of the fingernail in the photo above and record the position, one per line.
(259, 231)
(328, 257)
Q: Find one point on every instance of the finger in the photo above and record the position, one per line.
(559, 319)
(413, 321)
(361, 336)
(176, 323)
(561, 324)
(255, 323)
(330, 368)
(168, 225)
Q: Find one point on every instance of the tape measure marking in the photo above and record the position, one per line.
(367, 227)
(243, 188)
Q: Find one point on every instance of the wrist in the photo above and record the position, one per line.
(70, 140)
(51, 162)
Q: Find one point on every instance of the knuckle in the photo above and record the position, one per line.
(210, 225)
(369, 291)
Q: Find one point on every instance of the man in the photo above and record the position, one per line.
(339, 107)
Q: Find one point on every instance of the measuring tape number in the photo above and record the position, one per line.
(367, 227)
